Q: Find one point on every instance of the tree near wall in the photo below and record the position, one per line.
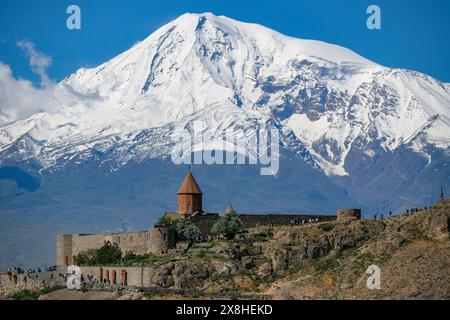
(227, 226)
(109, 253)
(187, 229)
(87, 258)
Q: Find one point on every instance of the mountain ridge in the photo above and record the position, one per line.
(308, 104)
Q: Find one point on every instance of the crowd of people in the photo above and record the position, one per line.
(31, 271)
(303, 222)
(292, 222)
(407, 213)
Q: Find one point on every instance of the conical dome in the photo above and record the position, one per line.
(189, 185)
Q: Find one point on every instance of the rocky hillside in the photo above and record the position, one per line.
(318, 261)
(326, 261)
(411, 251)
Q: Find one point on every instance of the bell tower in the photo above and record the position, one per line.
(189, 197)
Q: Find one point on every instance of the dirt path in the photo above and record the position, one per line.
(65, 294)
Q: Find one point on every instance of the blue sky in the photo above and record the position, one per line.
(415, 34)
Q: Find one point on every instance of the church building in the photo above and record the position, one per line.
(190, 206)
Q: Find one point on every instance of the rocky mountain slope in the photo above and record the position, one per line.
(201, 66)
(353, 133)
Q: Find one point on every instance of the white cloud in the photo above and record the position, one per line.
(19, 99)
(39, 62)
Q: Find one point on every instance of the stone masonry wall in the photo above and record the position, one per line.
(136, 276)
(159, 240)
(250, 221)
(11, 282)
(71, 245)
(205, 223)
(63, 249)
(154, 241)
(349, 213)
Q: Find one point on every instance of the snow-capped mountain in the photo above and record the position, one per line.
(234, 74)
(352, 132)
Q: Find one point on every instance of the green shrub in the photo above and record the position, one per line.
(109, 253)
(187, 229)
(264, 236)
(227, 226)
(146, 259)
(87, 258)
(201, 253)
(34, 295)
(129, 256)
(54, 288)
(325, 263)
(326, 227)
(26, 295)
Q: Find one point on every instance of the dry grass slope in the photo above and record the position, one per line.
(413, 253)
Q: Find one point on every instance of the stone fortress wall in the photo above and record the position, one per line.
(160, 240)
(123, 276)
(11, 282)
(156, 241)
(205, 223)
(275, 220)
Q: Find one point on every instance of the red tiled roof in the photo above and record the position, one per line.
(189, 185)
